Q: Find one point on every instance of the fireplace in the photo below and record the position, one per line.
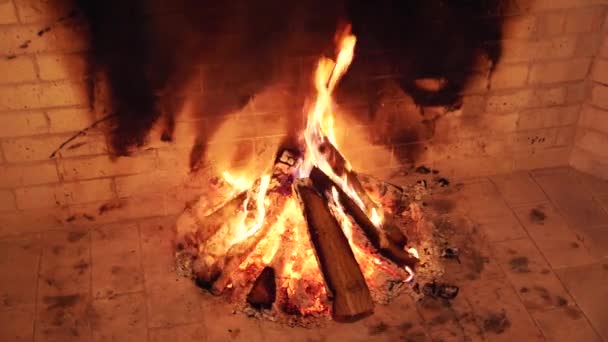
(308, 162)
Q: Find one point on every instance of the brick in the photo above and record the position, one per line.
(576, 93)
(509, 76)
(40, 148)
(593, 141)
(141, 184)
(473, 105)
(565, 136)
(7, 200)
(510, 102)
(19, 69)
(583, 20)
(604, 47)
(553, 96)
(550, 157)
(22, 39)
(593, 117)
(7, 13)
(562, 71)
(517, 50)
(551, 24)
(599, 95)
(554, 48)
(88, 191)
(104, 166)
(57, 67)
(41, 95)
(588, 44)
(548, 117)
(40, 197)
(544, 5)
(36, 11)
(69, 119)
(523, 26)
(600, 71)
(37, 220)
(28, 174)
(22, 124)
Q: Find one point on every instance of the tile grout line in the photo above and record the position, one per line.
(36, 306)
(143, 279)
(545, 258)
(507, 278)
(91, 294)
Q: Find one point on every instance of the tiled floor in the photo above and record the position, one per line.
(541, 239)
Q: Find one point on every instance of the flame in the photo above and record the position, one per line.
(286, 244)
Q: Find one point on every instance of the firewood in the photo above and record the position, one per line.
(379, 239)
(264, 290)
(351, 297)
(239, 252)
(339, 166)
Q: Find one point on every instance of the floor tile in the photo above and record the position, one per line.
(596, 240)
(587, 284)
(598, 187)
(565, 325)
(19, 260)
(174, 302)
(157, 249)
(519, 188)
(500, 313)
(531, 275)
(17, 324)
(500, 228)
(64, 280)
(572, 198)
(562, 246)
(196, 332)
(64, 318)
(231, 327)
(119, 318)
(65, 248)
(116, 261)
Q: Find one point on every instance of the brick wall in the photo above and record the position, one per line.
(590, 153)
(522, 116)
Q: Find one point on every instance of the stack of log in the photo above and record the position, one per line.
(345, 283)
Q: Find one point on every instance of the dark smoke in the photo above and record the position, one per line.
(150, 49)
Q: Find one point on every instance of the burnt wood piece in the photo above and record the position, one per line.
(351, 297)
(338, 164)
(210, 224)
(379, 239)
(236, 254)
(264, 290)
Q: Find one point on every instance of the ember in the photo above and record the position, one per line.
(308, 237)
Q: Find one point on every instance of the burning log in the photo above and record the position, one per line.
(339, 165)
(264, 290)
(351, 297)
(379, 238)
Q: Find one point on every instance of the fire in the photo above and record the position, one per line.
(269, 228)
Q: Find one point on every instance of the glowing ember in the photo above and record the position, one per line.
(261, 223)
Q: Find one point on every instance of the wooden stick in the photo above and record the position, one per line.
(351, 297)
(377, 236)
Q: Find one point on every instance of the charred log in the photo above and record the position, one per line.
(264, 290)
(351, 297)
(380, 239)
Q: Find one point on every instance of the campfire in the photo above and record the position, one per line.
(310, 236)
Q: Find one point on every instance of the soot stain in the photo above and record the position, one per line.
(76, 236)
(77, 145)
(497, 323)
(520, 264)
(537, 216)
(81, 266)
(61, 302)
(116, 269)
(378, 329)
(442, 206)
(106, 207)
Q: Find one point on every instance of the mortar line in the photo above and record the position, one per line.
(143, 279)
